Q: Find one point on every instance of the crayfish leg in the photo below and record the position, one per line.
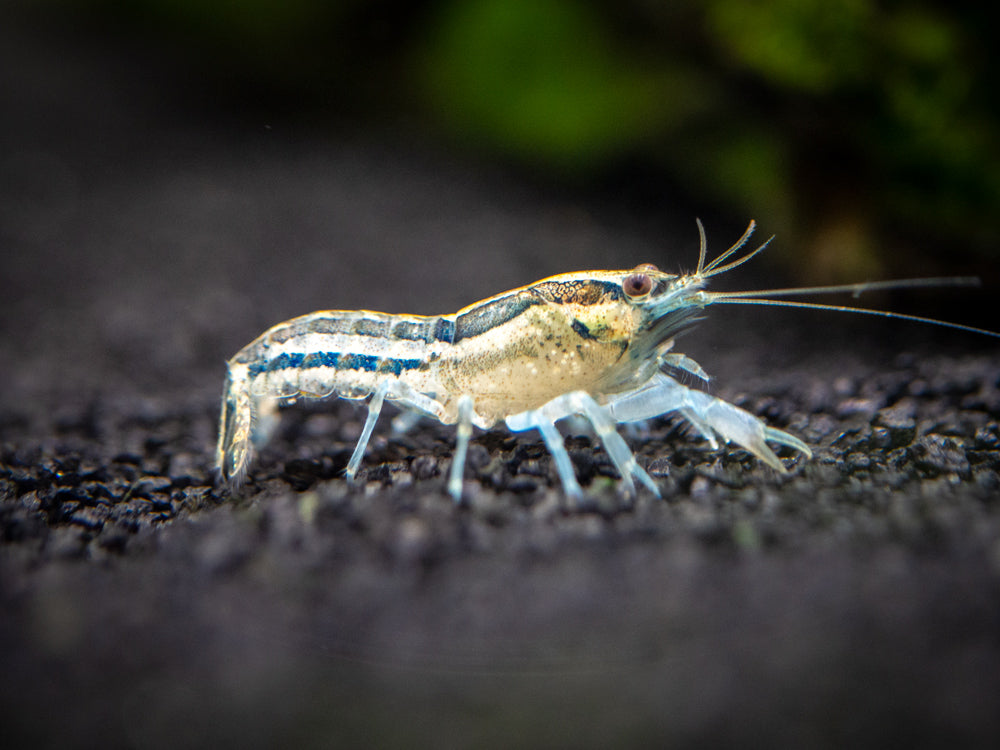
(710, 415)
(463, 436)
(544, 420)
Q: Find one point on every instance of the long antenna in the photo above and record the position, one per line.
(762, 296)
(858, 288)
(743, 300)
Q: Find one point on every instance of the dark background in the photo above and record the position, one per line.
(176, 177)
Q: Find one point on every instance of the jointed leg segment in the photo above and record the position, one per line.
(711, 416)
(581, 402)
(374, 409)
(464, 434)
(406, 397)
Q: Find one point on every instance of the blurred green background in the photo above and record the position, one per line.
(864, 133)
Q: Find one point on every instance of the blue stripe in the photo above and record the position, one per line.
(336, 360)
(366, 362)
(444, 330)
(320, 359)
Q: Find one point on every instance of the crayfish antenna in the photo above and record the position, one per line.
(763, 296)
(716, 267)
(702, 247)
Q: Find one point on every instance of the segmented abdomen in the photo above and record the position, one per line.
(346, 353)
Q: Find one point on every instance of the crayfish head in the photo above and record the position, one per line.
(663, 305)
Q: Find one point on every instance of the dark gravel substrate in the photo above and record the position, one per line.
(853, 602)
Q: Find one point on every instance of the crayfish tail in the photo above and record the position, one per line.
(233, 453)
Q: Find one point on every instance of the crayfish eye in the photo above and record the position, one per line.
(638, 284)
